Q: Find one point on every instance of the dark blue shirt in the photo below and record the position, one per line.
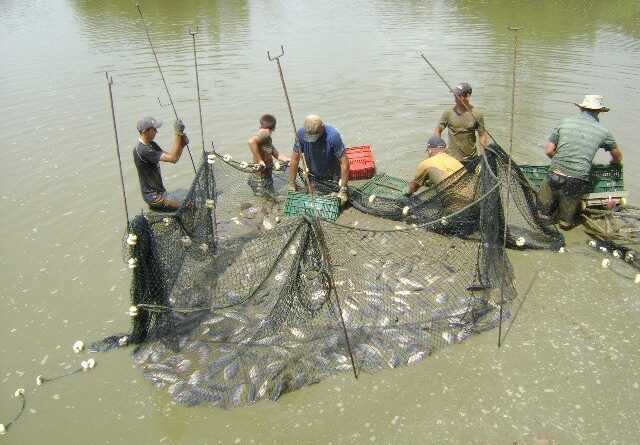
(323, 156)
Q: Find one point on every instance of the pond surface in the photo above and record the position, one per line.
(568, 371)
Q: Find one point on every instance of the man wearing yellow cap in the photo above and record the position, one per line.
(572, 146)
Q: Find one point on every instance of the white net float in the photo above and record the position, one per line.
(132, 239)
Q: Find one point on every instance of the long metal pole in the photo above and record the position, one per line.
(162, 76)
(506, 213)
(115, 131)
(293, 122)
(320, 234)
(195, 61)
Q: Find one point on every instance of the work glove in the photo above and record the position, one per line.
(343, 196)
(178, 127)
(185, 140)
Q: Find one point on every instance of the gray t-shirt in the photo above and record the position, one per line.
(147, 160)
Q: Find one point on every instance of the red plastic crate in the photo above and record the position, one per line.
(361, 162)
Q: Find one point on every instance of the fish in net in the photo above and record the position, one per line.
(231, 307)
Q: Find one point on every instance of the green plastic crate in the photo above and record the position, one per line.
(384, 186)
(535, 174)
(606, 178)
(299, 203)
(603, 177)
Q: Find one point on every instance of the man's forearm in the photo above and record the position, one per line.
(344, 172)
(293, 167)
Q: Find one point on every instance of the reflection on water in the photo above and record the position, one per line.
(354, 63)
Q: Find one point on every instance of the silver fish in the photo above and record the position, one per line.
(231, 370)
(416, 357)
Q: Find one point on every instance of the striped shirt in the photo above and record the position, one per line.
(577, 140)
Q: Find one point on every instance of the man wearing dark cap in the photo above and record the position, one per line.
(324, 154)
(147, 155)
(572, 146)
(439, 166)
(463, 120)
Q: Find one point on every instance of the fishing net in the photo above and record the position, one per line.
(232, 303)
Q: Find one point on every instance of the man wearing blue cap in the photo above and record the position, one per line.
(438, 167)
(147, 155)
(324, 154)
(463, 120)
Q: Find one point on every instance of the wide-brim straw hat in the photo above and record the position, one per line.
(593, 102)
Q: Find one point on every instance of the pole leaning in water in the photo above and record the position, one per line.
(506, 213)
(195, 61)
(162, 75)
(317, 226)
(115, 131)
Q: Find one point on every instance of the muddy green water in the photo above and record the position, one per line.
(568, 372)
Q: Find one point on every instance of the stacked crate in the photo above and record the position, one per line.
(361, 162)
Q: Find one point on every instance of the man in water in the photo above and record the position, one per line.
(147, 155)
(263, 150)
(463, 120)
(572, 146)
(324, 154)
(439, 166)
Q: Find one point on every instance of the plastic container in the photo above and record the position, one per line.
(606, 178)
(361, 162)
(602, 178)
(535, 174)
(384, 186)
(300, 203)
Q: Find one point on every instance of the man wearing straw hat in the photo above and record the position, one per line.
(572, 146)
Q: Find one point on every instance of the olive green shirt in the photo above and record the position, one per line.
(462, 131)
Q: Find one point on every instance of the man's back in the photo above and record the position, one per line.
(146, 159)
(577, 140)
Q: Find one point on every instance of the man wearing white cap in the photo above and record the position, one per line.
(324, 154)
(572, 146)
(147, 155)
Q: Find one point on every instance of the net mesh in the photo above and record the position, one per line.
(232, 306)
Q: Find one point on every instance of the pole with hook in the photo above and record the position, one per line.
(195, 61)
(319, 229)
(506, 216)
(155, 56)
(115, 131)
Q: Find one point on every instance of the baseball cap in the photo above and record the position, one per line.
(436, 142)
(312, 128)
(146, 122)
(462, 89)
